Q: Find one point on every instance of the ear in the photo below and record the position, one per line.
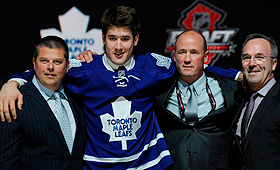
(103, 38)
(136, 39)
(174, 55)
(67, 66)
(34, 63)
(206, 56)
(274, 64)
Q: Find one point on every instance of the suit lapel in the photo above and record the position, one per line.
(163, 102)
(264, 105)
(233, 128)
(78, 120)
(41, 105)
(227, 94)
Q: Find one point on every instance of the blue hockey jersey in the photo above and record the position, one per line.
(122, 127)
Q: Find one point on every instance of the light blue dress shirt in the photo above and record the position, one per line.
(204, 104)
(48, 96)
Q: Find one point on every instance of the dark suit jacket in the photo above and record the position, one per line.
(205, 145)
(35, 141)
(262, 146)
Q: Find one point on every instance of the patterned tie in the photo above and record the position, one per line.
(63, 120)
(191, 107)
(246, 117)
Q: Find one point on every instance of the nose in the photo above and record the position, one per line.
(118, 45)
(50, 66)
(252, 61)
(187, 58)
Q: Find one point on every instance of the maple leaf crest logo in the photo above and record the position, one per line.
(122, 126)
(73, 25)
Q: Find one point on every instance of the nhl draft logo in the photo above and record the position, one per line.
(206, 18)
(73, 25)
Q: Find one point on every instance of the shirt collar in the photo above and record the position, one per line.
(46, 93)
(199, 85)
(111, 66)
(264, 90)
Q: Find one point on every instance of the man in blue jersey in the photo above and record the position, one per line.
(117, 91)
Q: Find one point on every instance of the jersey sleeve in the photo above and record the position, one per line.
(230, 73)
(27, 75)
(164, 71)
(77, 78)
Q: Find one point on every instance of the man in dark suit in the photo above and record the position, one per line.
(202, 140)
(257, 124)
(50, 131)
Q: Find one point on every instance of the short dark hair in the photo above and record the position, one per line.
(204, 40)
(120, 16)
(52, 42)
(273, 46)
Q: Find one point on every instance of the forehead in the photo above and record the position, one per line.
(51, 52)
(119, 31)
(190, 40)
(258, 45)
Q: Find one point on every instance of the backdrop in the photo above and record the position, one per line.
(225, 25)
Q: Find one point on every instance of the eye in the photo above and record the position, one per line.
(260, 57)
(194, 52)
(246, 57)
(181, 52)
(44, 61)
(112, 38)
(57, 62)
(125, 38)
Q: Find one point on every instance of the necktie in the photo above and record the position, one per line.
(119, 68)
(191, 107)
(246, 117)
(63, 120)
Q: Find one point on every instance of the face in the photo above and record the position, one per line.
(119, 44)
(258, 71)
(190, 56)
(50, 67)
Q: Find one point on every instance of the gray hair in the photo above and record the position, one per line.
(273, 46)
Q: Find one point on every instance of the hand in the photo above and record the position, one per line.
(9, 94)
(86, 56)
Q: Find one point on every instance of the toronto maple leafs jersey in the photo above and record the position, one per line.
(122, 127)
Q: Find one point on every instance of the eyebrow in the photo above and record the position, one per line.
(126, 36)
(254, 54)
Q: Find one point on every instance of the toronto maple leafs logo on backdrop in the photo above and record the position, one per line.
(73, 25)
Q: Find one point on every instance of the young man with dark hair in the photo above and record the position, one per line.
(117, 91)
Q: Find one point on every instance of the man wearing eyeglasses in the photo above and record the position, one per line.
(257, 124)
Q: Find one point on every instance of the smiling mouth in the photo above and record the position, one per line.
(253, 71)
(119, 54)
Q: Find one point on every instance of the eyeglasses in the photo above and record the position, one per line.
(259, 59)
